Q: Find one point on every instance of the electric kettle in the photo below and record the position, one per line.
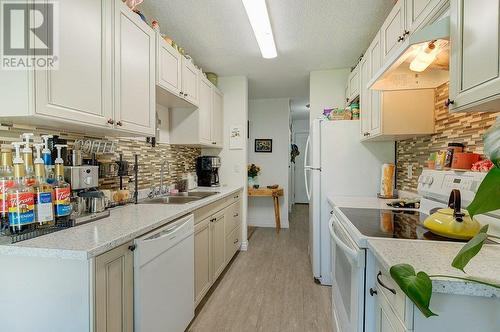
(453, 222)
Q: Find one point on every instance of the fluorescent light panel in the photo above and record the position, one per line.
(261, 25)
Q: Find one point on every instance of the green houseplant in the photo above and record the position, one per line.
(418, 285)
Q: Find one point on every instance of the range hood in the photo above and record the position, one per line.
(422, 61)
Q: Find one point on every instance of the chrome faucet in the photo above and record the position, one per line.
(161, 190)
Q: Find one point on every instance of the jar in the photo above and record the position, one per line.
(452, 149)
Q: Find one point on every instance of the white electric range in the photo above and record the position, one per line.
(355, 220)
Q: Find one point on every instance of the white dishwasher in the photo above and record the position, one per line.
(164, 278)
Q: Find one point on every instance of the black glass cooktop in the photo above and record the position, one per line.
(397, 224)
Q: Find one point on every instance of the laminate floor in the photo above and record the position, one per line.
(270, 287)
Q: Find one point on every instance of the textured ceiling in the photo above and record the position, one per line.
(309, 35)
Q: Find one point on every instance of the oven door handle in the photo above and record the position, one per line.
(352, 254)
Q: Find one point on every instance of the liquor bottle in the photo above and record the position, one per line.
(20, 197)
(47, 159)
(62, 190)
(28, 160)
(44, 207)
(6, 182)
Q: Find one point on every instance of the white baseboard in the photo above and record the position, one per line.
(266, 223)
(244, 246)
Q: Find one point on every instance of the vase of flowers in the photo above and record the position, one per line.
(253, 172)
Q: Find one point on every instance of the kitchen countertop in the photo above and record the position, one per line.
(124, 224)
(435, 258)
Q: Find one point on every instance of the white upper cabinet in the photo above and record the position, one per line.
(190, 77)
(205, 111)
(217, 118)
(134, 73)
(80, 89)
(418, 12)
(364, 98)
(169, 64)
(474, 65)
(393, 31)
(353, 85)
(374, 62)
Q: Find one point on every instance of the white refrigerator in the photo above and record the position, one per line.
(338, 164)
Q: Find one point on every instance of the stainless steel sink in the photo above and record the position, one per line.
(180, 198)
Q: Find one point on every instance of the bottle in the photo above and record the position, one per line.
(20, 197)
(47, 159)
(28, 160)
(62, 190)
(6, 182)
(44, 208)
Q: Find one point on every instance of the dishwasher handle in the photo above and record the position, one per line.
(166, 232)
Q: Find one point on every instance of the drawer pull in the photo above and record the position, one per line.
(235, 215)
(393, 291)
(235, 241)
(373, 292)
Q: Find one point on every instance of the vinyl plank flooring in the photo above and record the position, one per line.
(270, 287)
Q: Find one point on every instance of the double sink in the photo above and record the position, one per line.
(180, 198)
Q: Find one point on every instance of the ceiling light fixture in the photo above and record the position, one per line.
(261, 25)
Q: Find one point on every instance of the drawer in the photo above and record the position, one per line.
(232, 217)
(395, 297)
(233, 243)
(235, 197)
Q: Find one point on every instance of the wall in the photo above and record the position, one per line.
(465, 128)
(269, 118)
(234, 162)
(327, 90)
(182, 159)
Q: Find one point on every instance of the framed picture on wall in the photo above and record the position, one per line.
(264, 145)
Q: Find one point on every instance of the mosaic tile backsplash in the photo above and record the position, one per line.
(181, 159)
(466, 128)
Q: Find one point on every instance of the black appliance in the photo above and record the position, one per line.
(207, 169)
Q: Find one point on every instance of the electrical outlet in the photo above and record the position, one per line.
(410, 171)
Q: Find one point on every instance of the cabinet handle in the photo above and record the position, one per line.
(132, 247)
(185, 95)
(393, 291)
(406, 33)
(449, 102)
(366, 134)
(373, 292)
(111, 121)
(235, 215)
(400, 39)
(181, 93)
(119, 123)
(236, 241)
(214, 143)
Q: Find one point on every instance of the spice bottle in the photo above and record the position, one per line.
(44, 208)
(20, 197)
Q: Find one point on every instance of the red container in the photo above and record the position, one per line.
(464, 160)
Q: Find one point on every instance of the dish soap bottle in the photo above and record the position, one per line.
(28, 160)
(47, 159)
(62, 190)
(6, 182)
(44, 209)
(20, 197)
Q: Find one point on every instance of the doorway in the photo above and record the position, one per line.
(300, 195)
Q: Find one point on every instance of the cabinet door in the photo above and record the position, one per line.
(386, 320)
(114, 290)
(419, 11)
(392, 29)
(190, 82)
(374, 64)
(233, 243)
(202, 260)
(80, 89)
(168, 66)
(218, 244)
(474, 72)
(205, 111)
(217, 118)
(134, 72)
(365, 98)
(354, 84)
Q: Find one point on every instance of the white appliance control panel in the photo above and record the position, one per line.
(439, 184)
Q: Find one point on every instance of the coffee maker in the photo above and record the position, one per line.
(207, 169)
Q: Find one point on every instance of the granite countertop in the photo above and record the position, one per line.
(124, 224)
(435, 258)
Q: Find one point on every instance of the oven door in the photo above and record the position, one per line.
(348, 271)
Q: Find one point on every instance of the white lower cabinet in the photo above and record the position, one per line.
(217, 239)
(114, 290)
(386, 320)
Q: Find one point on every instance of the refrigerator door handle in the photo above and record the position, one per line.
(307, 168)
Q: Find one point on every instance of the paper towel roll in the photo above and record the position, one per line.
(387, 180)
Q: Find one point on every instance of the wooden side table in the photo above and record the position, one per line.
(275, 194)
